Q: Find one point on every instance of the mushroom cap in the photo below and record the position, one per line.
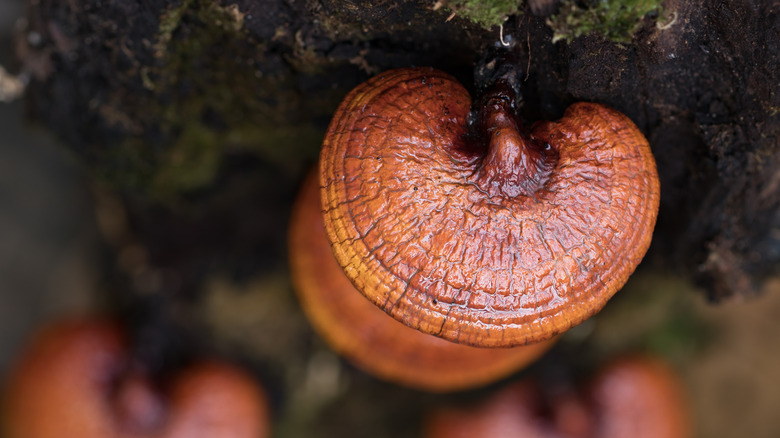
(74, 381)
(511, 413)
(637, 397)
(428, 230)
(366, 336)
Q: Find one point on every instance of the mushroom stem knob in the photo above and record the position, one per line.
(515, 164)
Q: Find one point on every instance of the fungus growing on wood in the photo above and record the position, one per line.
(365, 335)
(491, 235)
(635, 397)
(75, 380)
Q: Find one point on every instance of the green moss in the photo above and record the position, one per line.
(191, 162)
(276, 144)
(169, 22)
(487, 13)
(654, 313)
(615, 20)
(209, 95)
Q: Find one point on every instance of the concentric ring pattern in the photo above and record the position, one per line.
(418, 235)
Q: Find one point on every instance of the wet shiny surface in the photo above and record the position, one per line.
(369, 338)
(426, 232)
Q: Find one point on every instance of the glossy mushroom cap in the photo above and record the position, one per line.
(370, 339)
(500, 237)
(73, 381)
(633, 397)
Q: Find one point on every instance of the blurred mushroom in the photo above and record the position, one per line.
(635, 397)
(492, 234)
(369, 338)
(75, 380)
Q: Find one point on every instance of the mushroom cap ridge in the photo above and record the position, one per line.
(416, 232)
(372, 340)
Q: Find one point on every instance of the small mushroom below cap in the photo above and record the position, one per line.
(75, 380)
(636, 397)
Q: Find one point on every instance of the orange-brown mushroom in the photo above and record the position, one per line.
(498, 236)
(635, 397)
(365, 335)
(74, 380)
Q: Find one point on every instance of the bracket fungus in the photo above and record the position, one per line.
(493, 235)
(366, 336)
(637, 397)
(76, 380)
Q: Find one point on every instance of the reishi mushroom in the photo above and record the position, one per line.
(366, 336)
(495, 235)
(636, 397)
(74, 380)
